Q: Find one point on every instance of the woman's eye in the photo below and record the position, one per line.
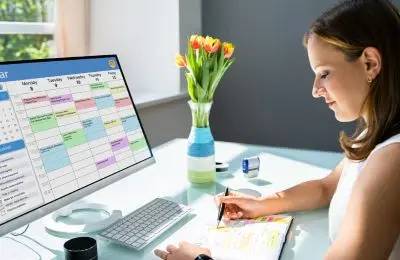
(324, 75)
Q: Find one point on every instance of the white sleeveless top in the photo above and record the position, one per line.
(340, 199)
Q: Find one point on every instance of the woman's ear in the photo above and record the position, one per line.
(372, 61)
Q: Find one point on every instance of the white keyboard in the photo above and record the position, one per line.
(145, 224)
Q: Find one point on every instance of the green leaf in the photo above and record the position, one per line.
(214, 72)
(201, 58)
(190, 86)
(215, 63)
(227, 64)
(214, 86)
(221, 59)
(218, 76)
(205, 76)
(201, 93)
(212, 79)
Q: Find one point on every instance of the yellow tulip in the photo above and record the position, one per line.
(228, 49)
(196, 41)
(180, 61)
(211, 45)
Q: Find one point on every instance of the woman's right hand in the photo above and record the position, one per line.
(238, 205)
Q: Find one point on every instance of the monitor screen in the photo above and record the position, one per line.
(65, 124)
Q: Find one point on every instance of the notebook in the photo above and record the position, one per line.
(256, 239)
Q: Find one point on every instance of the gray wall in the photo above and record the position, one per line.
(265, 97)
(167, 121)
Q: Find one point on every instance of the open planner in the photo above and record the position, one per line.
(256, 239)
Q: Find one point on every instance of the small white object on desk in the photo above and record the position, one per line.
(251, 166)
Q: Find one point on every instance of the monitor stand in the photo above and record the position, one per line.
(53, 224)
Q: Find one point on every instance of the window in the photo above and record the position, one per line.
(26, 29)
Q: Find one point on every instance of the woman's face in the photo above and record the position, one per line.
(343, 84)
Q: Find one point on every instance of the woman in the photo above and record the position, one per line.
(354, 51)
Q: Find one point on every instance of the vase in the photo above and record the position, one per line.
(200, 150)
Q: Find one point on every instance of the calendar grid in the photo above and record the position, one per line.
(56, 182)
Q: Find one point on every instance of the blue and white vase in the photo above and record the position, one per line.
(200, 151)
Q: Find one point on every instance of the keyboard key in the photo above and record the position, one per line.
(130, 241)
(124, 238)
(117, 236)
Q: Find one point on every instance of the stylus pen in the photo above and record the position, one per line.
(222, 208)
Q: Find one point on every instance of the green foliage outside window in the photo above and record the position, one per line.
(25, 46)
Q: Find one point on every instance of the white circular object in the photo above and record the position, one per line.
(52, 224)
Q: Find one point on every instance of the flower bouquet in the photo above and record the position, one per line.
(206, 61)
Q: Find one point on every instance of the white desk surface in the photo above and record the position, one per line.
(280, 168)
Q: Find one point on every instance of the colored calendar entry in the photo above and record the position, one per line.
(98, 86)
(61, 99)
(74, 138)
(65, 113)
(43, 122)
(105, 162)
(119, 144)
(117, 89)
(123, 102)
(85, 103)
(94, 128)
(138, 144)
(54, 157)
(112, 123)
(104, 101)
(130, 123)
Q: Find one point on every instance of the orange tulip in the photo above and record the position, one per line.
(228, 49)
(211, 45)
(180, 61)
(196, 41)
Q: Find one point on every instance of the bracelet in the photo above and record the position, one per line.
(203, 257)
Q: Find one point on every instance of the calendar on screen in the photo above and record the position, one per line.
(64, 124)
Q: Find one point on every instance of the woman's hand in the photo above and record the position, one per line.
(238, 205)
(185, 251)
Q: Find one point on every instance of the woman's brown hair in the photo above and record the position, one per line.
(351, 26)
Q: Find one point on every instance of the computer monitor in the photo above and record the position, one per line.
(68, 127)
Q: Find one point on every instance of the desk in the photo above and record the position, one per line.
(280, 168)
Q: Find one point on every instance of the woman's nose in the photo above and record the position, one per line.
(316, 91)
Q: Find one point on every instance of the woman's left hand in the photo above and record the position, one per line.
(185, 251)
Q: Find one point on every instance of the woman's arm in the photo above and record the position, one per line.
(305, 196)
(371, 225)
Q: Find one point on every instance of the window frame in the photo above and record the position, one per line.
(33, 28)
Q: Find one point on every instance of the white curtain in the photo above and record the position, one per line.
(72, 28)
